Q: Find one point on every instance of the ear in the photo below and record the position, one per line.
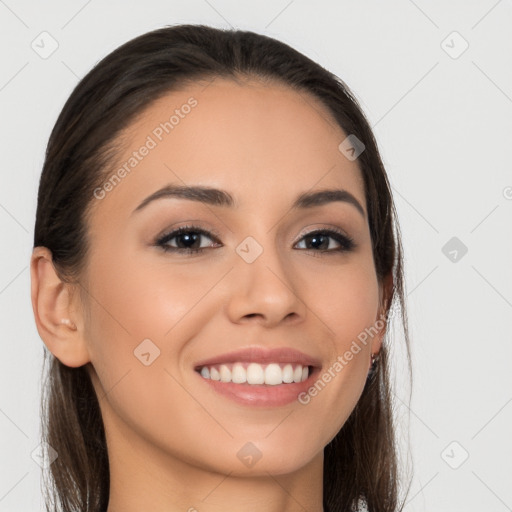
(385, 291)
(58, 316)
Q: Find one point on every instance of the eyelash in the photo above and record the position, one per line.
(347, 244)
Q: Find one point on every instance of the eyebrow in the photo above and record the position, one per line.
(216, 197)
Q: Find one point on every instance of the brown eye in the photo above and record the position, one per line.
(320, 241)
(188, 239)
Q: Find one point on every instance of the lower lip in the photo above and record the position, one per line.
(262, 395)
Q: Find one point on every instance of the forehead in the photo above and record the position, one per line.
(256, 140)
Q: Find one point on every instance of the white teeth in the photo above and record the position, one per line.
(288, 373)
(238, 375)
(271, 374)
(255, 374)
(274, 374)
(225, 373)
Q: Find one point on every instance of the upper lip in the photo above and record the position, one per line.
(262, 356)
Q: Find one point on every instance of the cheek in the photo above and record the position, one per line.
(141, 297)
(137, 298)
(345, 298)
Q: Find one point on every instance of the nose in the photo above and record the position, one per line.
(265, 291)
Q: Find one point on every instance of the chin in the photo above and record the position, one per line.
(264, 458)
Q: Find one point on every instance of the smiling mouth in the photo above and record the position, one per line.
(271, 374)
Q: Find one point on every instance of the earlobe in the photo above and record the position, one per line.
(69, 323)
(57, 318)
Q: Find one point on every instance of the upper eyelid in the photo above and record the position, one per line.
(189, 226)
(176, 231)
(336, 229)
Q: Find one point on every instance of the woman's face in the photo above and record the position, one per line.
(157, 313)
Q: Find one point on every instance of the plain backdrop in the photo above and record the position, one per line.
(435, 80)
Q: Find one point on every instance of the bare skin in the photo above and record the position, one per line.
(173, 441)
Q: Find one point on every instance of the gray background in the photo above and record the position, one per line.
(443, 121)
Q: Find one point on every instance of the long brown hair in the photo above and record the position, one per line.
(361, 462)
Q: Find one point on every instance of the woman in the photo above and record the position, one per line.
(216, 253)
